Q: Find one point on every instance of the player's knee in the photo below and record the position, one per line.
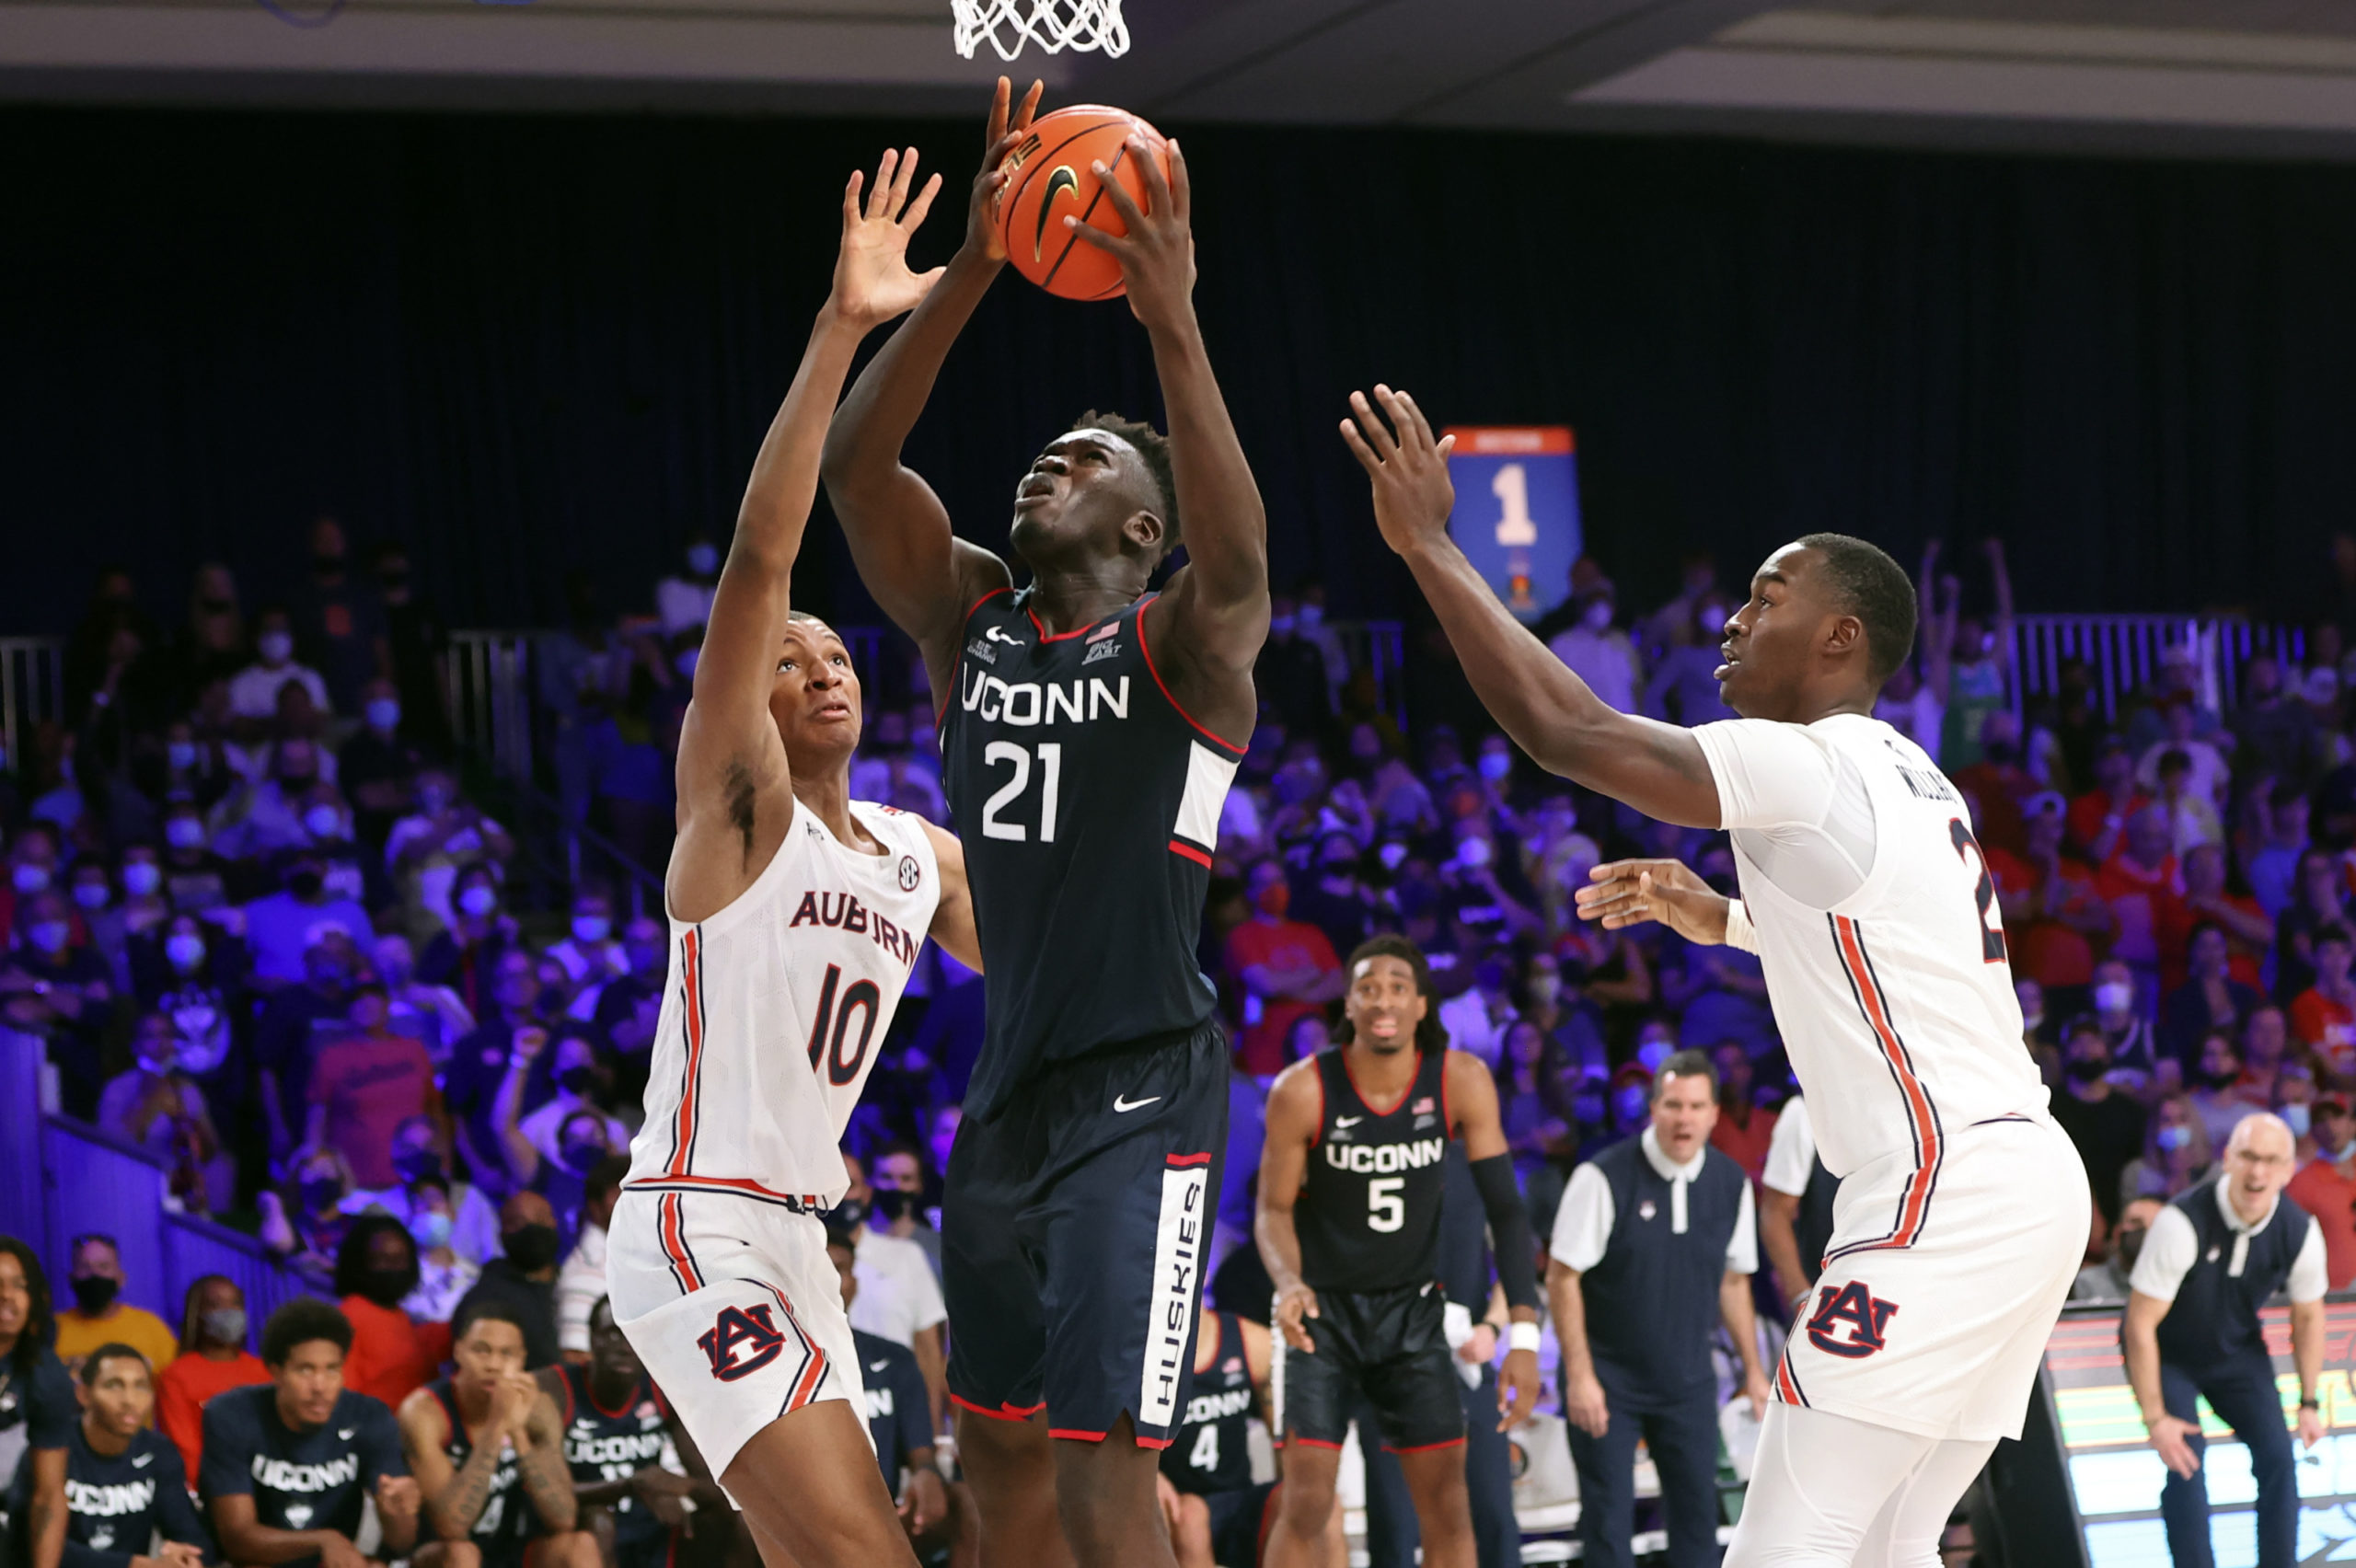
(1304, 1501)
(575, 1549)
(448, 1554)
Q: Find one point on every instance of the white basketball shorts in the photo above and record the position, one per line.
(1942, 1282)
(735, 1307)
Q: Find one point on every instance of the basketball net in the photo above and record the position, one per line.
(1053, 24)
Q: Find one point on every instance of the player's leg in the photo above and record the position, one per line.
(1010, 1464)
(2184, 1500)
(1684, 1443)
(1305, 1506)
(1190, 1533)
(810, 1489)
(1106, 1498)
(563, 1549)
(2245, 1398)
(1824, 1488)
(1607, 1472)
(1443, 1508)
(446, 1554)
(1418, 1403)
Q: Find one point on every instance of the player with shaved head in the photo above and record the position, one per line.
(1963, 1206)
(796, 913)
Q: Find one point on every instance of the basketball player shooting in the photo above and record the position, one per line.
(1962, 1207)
(1090, 732)
(796, 913)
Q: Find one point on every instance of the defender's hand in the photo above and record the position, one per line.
(1005, 134)
(872, 282)
(1294, 1304)
(1157, 256)
(1413, 495)
(1518, 1386)
(1629, 893)
(2168, 1434)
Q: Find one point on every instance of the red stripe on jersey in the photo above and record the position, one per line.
(683, 1124)
(814, 1371)
(1179, 847)
(1920, 1119)
(979, 602)
(743, 1184)
(1787, 1390)
(1004, 1413)
(1075, 1433)
(1426, 1448)
(674, 1246)
(1188, 1159)
(1164, 689)
(1047, 636)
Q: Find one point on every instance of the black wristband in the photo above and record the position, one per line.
(2311, 1404)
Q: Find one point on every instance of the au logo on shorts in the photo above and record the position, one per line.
(1863, 1314)
(742, 1340)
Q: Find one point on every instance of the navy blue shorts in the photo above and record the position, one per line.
(1074, 1232)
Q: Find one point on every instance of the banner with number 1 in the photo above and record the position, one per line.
(1517, 515)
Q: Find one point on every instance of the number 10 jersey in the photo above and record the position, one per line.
(776, 1008)
(1088, 802)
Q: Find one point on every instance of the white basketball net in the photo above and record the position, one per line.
(1053, 24)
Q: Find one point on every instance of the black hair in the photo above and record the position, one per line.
(301, 1320)
(108, 1351)
(480, 1309)
(1875, 589)
(1430, 1036)
(189, 1313)
(2082, 1024)
(842, 1236)
(603, 1304)
(1154, 447)
(40, 1322)
(2334, 931)
(352, 1258)
(605, 1178)
(1685, 1063)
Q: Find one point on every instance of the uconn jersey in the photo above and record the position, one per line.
(603, 1445)
(1211, 1451)
(508, 1518)
(775, 1008)
(1088, 804)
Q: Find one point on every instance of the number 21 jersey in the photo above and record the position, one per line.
(1884, 949)
(1088, 802)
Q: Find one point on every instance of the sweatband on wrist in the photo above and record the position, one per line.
(1740, 932)
(1522, 1336)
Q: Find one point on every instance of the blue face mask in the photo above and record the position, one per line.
(703, 560)
(384, 713)
(2296, 1118)
(2170, 1139)
(1495, 766)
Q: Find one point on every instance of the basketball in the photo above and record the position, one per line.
(1049, 178)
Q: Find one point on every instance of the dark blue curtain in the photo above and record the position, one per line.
(531, 345)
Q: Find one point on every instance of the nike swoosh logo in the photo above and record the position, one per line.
(345, 1432)
(877, 1365)
(1124, 1103)
(141, 1462)
(1347, 1121)
(998, 634)
(1059, 181)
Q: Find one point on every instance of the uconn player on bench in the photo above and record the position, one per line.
(795, 914)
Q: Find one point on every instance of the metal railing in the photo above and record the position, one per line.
(2122, 653)
(32, 689)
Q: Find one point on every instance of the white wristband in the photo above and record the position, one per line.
(1522, 1336)
(1740, 932)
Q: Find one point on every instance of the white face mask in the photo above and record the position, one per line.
(2296, 1118)
(324, 821)
(276, 647)
(2116, 996)
(141, 878)
(29, 877)
(1597, 616)
(184, 833)
(477, 900)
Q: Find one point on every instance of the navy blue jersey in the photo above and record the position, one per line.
(38, 1408)
(508, 1518)
(899, 1416)
(1369, 1211)
(1088, 804)
(1208, 1452)
(603, 1445)
(313, 1479)
(115, 1504)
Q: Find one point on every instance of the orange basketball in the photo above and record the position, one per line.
(1049, 178)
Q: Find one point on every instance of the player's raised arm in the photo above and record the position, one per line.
(923, 575)
(952, 918)
(730, 750)
(1549, 712)
(1214, 616)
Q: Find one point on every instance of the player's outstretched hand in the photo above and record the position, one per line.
(1293, 1304)
(1413, 495)
(1517, 1385)
(2168, 1434)
(1008, 126)
(1157, 256)
(872, 282)
(1629, 893)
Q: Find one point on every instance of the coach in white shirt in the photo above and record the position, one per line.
(2212, 1259)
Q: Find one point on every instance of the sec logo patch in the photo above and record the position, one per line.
(909, 873)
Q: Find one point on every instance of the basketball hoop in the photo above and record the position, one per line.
(1054, 25)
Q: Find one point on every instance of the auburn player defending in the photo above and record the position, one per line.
(1088, 736)
(1962, 1207)
(795, 914)
(1350, 1188)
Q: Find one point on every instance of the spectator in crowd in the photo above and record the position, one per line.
(213, 1358)
(1597, 650)
(2210, 997)
(99, 1315)
(2266, 1054)
(269, 814)
(2325, 1186)
(523, 1278)
(479, 932)
(211, 644)
(2273, 725)
(427, 852)
(58, 989)
(2248, 928)
(163, 1110)
(1335, 899)
(444, 1276)
(417, 1153)
(2192, 816)
(2109, 1279)
(899, 1296)
(1997, 785)
(2272, 871)
(2217, 1094)
(2098, 818)
(2054, 920)
(2323, 1016)
(253, 691)
(337, 622)
(479, 1063)
(1290, 671)
(2175, 1152)
(895, 1205)
(1980, 679)
(1744, 1130)
(363, 1087)
(2321, 901)
(432, 1015)
(1477, 1018)
(683, 601)
(2145, 890)
(1286, 967)
(590, 951)
(375, 1270)
(2207, 776)
(195, 878)
(307, 1224)
(582, 1082)
(283, 927)
(1533, 1099)
(581, 1278)
(379, 766)
(2103, 1121)
(2138, 1061)
(295, 1026)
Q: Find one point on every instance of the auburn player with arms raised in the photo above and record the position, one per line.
(795, 914)
(1090, 733)
(1962, 1207)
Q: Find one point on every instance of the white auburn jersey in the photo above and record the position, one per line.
(775, 1008)
(1877, 927)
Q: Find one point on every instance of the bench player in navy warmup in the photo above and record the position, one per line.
(1090, 733)
(1350, 1189)
(616, 1426)
(796, 913)
(124, 1483)
(1213, 1505)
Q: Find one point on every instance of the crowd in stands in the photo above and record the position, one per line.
(264, 933)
